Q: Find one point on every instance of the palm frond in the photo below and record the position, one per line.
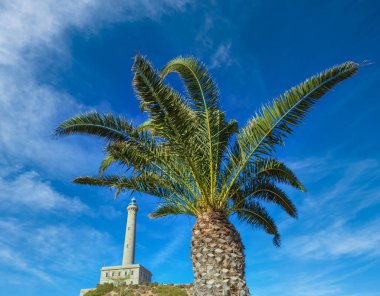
(225, 132)
(150, 184)
(170, 117)
(166, 209)
(201, 88)
(107, 161)
(203, 94)
(102, 125)
(253, 213)
(270, 170)
(145, 126)
(277, 171)
(275, 121)
(268, 192)
(143, 154)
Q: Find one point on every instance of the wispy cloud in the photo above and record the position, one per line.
(12, 259)
(336, 237)
(203, 35)
(214, 43)
(167, 251)
(29, 110)
(222, 56)
(27, 191)
(28, 114)
(31, 32)
(36, 24)
(50, 251)
(330, 280)
(327, 216)
(337, 241)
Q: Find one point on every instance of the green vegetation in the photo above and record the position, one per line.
(121, 281)
(101, 289)
(137, 290)
(199, 163)
(170, 291)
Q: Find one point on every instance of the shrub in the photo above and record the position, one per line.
(101, 289)
(166, 290)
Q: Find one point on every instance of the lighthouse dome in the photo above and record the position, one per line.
(133, 202)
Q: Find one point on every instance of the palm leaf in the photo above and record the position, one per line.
(107, 161)
(254, 214)
(152, 186)
(270, 170)
(200, 86)
(102, 125)
(169, 209)
(269, 192)
(203, 92)
(170, 117)
(270, 126)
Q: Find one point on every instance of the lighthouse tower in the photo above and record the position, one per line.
(130, 234)
(129, 272)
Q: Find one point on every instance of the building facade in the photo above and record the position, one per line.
(131, 274)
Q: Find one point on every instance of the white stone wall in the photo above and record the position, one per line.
(130, 274)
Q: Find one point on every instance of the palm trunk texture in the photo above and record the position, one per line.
(217, 255)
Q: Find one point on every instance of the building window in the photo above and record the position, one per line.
(131, 272)
(119, 273)
(126, 273)
(131, 282)
(113, 273)
(106, 274)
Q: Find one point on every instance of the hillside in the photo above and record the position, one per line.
(146, 289)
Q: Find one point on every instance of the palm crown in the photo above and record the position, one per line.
(190, 156)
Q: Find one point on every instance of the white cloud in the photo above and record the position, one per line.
(29, 111)
(40, 23)
(337, 241)
(27, 191)
(327, 226)
(203, 35)
(11, 258)
(311, 281)
(336, 238)
(222, 56)
(51, 251)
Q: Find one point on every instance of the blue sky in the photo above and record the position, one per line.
(59, 60)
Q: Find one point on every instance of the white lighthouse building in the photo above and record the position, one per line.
(130, 234)
(129, 272)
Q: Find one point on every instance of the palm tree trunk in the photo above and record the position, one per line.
(217, 255)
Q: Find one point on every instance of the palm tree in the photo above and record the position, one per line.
(198, 163)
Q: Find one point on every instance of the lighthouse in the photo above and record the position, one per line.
(128, 272)
(130, 234)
